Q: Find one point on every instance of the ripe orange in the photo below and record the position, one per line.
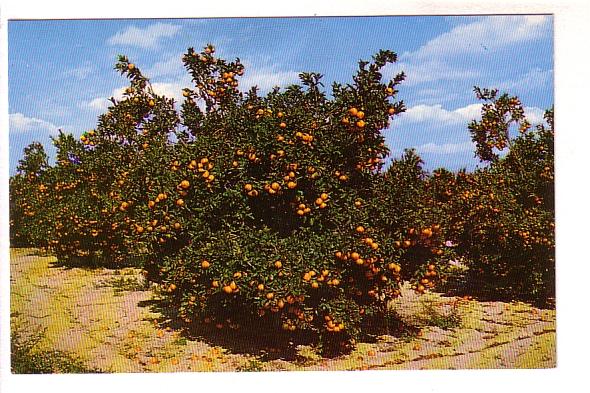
(353, 111)
(227, 289)
(205, 264)
(184, 184)
(360, 229)
(180, 202)
(278, 264)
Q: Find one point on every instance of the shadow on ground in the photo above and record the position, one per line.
(267, 341)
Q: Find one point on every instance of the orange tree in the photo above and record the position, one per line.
(406, 210)
(502, 216)
(26, 189)
(270, 198)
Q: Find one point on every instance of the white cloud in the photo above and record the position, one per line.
(21, 123)
(170, 90)
(79, 73)
(146, 38)
(452, 56)
(267, 77)
(436, 114)
(171, 66)
(487, 33)
(167, 89)
(446, 148)
(101, 104)
(534, 115)
(428, 71)
(535, 78)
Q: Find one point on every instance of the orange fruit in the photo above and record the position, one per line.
(227, 289)
(353, 111)
(184, 184)
(278, 264)
(205, 264)
(180, 202)
(360, 229)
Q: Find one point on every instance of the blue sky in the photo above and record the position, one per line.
(61, 71)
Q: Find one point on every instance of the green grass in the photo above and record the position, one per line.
(26, 358)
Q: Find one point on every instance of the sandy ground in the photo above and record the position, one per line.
(102, 316)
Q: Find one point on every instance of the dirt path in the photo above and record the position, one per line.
(102, 317)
